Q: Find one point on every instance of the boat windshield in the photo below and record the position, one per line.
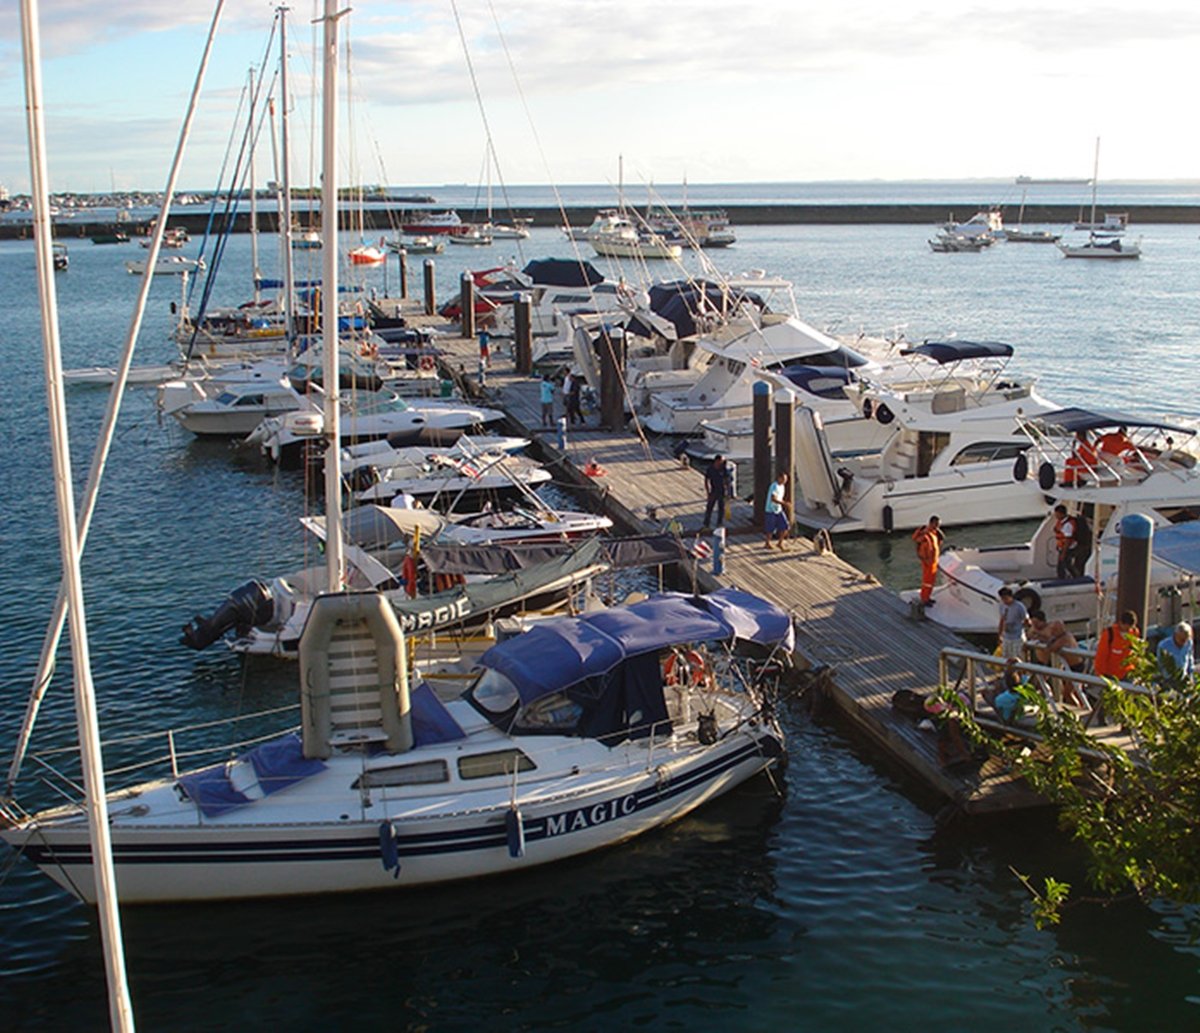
(494, 694)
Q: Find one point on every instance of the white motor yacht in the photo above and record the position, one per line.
(951, 452)
(1158, 480)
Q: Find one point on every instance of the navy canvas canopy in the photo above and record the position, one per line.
(563, 272)
(956, 351)
(558, 654)
(680, 301)
(1075, 419)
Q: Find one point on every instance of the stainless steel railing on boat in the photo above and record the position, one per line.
(52, 771)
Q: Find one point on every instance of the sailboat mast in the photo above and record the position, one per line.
(1095, 179)
(256, 272)
(120, 1005)
(334, 558)
(285, 212)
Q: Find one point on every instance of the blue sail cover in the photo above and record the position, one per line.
(563, 272)
(558, 654)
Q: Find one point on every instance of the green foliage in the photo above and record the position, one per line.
(1136, 812)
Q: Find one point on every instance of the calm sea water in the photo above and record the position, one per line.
(832, 903)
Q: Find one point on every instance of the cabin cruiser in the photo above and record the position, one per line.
(734, 357)
(614, 235)
(693, 227)
(951, 450)
(366, 418)
(166, 265)
(1156, 475)
(431, 223)
(442, 476)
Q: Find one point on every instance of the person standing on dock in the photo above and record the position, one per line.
(485, 349)
(1114, 648)
(574, 399)
(777, 522)
(716, 486)
(547, 398)
(1066, 540)
(1013, 619)
(929, 540)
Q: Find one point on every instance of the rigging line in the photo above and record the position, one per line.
(108, 427)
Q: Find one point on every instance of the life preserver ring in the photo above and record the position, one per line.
(408, 574)
(683, 667)
(426, 363)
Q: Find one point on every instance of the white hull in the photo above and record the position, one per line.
(219, 859)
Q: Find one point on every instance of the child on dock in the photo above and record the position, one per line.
(777, 522)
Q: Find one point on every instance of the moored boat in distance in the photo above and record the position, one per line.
(166, 265)
(433, 223)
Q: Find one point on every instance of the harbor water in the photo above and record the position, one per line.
(827, 899)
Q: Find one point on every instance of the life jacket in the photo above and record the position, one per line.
(1080, 463)
(1113, 653)
(1062, 538)
(928, 545)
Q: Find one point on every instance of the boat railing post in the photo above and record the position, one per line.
(171, 749)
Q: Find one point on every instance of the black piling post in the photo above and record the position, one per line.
(762, 450)
(523, 333)
(430, 295)
(466, 304)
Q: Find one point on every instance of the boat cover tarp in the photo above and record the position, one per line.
(558, 654)
(472, 603)
(432, 723)
(630, 705)
(1179, 545)
(943, 352)
(504, 557)
(752, 618)
(680, 301)
(277, 763)
(1074, 419)
(563, 272)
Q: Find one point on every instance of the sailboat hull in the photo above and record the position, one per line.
(200, 859)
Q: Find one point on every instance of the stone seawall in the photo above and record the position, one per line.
(387, 221)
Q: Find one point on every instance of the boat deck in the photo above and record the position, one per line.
(847, 622)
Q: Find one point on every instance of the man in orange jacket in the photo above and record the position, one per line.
(1114, 650)
(929, 540)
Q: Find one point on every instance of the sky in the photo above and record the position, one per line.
(707, 91)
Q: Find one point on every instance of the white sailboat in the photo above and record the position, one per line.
(1099, 244)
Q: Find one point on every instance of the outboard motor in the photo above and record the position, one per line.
(248, 606)
(361, 478)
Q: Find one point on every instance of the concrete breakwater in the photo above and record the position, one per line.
(388, 220)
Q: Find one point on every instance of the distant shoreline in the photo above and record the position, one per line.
(387, 220)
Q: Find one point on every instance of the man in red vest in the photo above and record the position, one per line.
(929, 539)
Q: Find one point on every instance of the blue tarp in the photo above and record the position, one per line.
(563, 272)
(955, 351)
(557, 654)
(1179, 545)
(431, 721)
(278, 764)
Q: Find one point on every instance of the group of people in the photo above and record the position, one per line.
(1111, 450)
(1115, 654)
(572, 391)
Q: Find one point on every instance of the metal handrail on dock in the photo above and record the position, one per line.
(959, 666)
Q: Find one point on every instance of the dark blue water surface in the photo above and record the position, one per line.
(828, 901)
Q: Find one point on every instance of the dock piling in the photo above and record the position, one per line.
(523, 334)
(762, 450)
(466, 304)
(430, 295)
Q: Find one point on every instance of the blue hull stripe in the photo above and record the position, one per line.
(366, 847)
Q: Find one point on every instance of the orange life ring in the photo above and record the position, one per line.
(427, 363)
(408, 574)
(681, 667)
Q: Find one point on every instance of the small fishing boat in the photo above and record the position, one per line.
(367, 254)
(60, 258)
(166, 265)
(418, 246)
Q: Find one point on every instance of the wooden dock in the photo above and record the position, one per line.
(846, 621)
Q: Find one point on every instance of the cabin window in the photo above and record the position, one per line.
(735, 368)
(427, 772)
(552, 713)
(494, 694)
(989, 451)
(843, 358)
(250, 400)
(491, 765)
(226, 398)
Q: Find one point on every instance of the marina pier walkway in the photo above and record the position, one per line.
(846, 621)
